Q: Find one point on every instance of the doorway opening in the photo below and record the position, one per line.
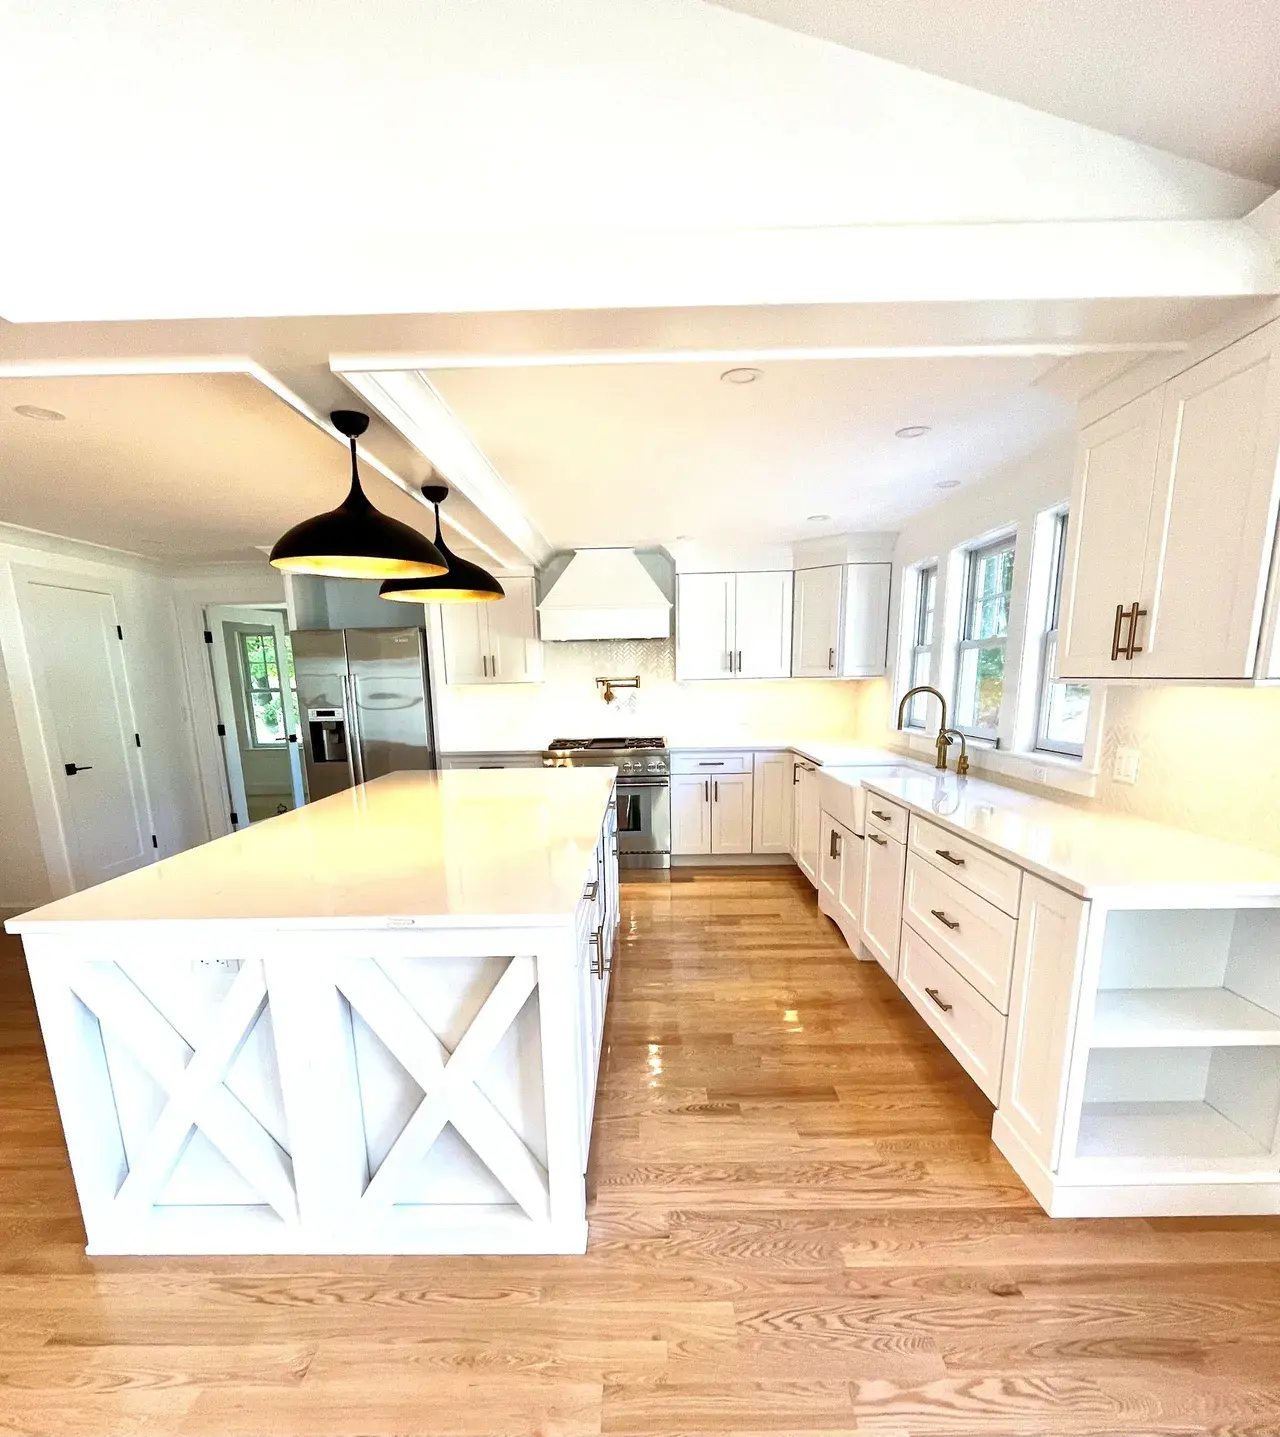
(253, 680)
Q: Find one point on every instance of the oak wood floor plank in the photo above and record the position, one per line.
(798, 1225)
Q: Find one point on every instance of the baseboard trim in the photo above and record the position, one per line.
(732, 860)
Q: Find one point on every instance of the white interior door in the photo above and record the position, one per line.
(224, 622)
(77, 661)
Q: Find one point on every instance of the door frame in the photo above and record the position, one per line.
(34, 738)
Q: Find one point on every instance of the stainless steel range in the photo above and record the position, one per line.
(644, 791)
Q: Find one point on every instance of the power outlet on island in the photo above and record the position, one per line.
(1124, 767)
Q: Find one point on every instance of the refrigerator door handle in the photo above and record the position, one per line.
(355, 744)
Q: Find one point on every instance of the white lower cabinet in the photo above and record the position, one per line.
(596, 929)
(840, 878)
(711, 812)
(884, 862)
(807, 818)
(1042, 1005)
(971, 1028)
(772, 803)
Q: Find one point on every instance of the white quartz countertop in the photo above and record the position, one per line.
(472, 848)
(1094, 853)
(820, 751)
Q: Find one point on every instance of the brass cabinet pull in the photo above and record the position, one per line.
(1115, 633)
(592, 888)
(942, 918)
(884, 817)
(875, 838)
(949, 856)
(933, 993)
(1135, 613)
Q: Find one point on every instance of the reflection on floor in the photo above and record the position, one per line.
(268, 805)
(799, 1225)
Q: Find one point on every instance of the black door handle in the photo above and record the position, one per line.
(73, 768)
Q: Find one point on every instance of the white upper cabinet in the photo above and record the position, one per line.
(762, 645)
(1172, 529)
(1213, 520)
(1106, 535)
(815, 634)
(494, 642)
(864, 648)
(733, 625)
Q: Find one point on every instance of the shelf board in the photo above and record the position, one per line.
(1180, 1018)
(1170, 1135)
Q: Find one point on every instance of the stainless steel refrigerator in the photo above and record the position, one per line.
(364, 701)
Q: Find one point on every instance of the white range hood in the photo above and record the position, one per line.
(605, 594)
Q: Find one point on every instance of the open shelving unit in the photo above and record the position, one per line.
(1183, 1054)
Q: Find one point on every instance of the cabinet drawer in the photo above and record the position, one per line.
(887, 817)
(974, 936)
(970, 1027)
(711, 764)
(981, 872)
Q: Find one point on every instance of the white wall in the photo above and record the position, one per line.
(169, 686)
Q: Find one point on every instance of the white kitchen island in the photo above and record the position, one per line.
(372, 1025)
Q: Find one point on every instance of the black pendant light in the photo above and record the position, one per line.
(355, 540)
(464, 583)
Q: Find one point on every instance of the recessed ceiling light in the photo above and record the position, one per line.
(947, 484)
(34, 411)
(911, 431)
(819, 518)
(743, 375)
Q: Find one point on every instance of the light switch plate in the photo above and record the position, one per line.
(1124, 768)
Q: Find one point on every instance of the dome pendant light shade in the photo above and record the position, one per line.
(465, 582)
(355, 540)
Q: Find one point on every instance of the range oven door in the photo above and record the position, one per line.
(644, 822)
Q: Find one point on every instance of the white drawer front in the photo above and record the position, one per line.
(887, 817)
(982, 872)
(970, 1027)
(974, 936)
(711, 764)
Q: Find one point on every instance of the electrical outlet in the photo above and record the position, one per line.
(1039, 774)
(1124, 767)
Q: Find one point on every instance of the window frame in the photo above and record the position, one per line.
(247, 690)
(1004, 543)
(923, 627)
(1049, 647)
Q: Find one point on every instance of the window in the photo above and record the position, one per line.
(264, 697)
(921, 662)
(1063, 709)
(984, 628)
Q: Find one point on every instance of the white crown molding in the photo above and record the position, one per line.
(1266, 221)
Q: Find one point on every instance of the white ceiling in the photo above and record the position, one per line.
(225, 157)
(637, 454)
(1200, 80)
(178, 468)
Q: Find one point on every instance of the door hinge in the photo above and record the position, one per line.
(235, 818)
(208, 636)
(119, 632)
(222, 730)
(137, 739)
(155, 842)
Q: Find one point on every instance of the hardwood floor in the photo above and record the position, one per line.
(799, 1224)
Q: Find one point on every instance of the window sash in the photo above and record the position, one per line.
(254, 691)
(920, 659)
(976, 608)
